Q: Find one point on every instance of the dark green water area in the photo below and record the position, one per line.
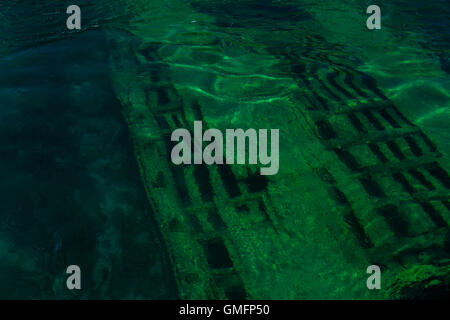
(69, 178)
(74, 181)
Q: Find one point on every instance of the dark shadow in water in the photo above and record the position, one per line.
(70, 191)
(253, 14)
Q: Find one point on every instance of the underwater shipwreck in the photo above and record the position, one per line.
(363, 180)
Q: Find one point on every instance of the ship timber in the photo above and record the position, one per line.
(359, 183)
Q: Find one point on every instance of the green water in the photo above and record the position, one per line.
(71, 190)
